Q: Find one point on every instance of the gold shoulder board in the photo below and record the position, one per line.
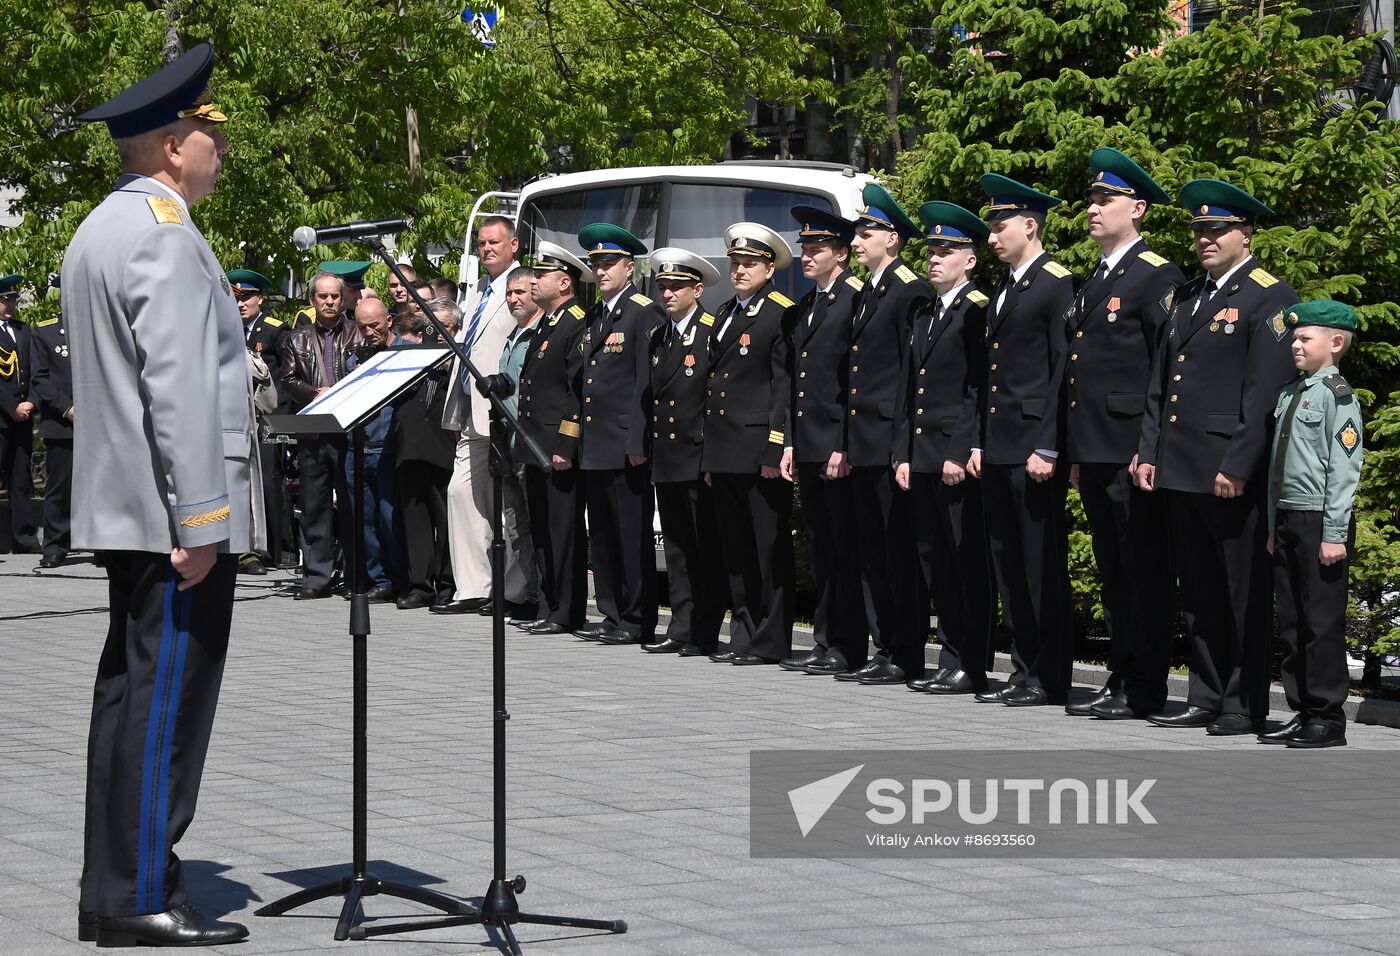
(781, 299)
(165, 210)
(640, 299)
(1152, 259)
(576, 311)
(706, 318)
(855, 282)
(977, 298)
(275, 323)
(905, 273)
(46, 323)
(1263, 278)
(1056, 270)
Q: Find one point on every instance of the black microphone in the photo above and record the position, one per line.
(304, 237)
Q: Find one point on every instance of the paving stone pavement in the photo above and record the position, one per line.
(628, 800)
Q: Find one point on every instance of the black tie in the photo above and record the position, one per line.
(1091, 287)
(937, 314)
(1206, 293)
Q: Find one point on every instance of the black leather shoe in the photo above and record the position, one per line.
(1283, 734)
(313, 594)
(1190, 717)
(412, 601)
(886, 673)
(1120, 707)
(855, 675)
(53, 560)
(248, 564)
(1316, 734)
(957, 682)
(590, 631)
(617, 636)
(749, 660)
(1234, 725)
(87, 927)
(722, 657)
(667, 645)
(994, 696)
(800, 662)
(1084, 707)
(690, 650)
(826, 665)
(464, 606)
(382, 594)
(1026, 696)
(182, 926)
(546, 627)
(923, 683)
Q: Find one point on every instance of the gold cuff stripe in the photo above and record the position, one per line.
(775, 437)
(571, 429)
(207, 518)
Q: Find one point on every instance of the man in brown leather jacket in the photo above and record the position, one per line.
(313, 359)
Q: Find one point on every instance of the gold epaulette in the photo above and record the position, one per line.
(46, 323)
(904, 273)
(855, 282)
(1152, 259)
(165, 210)
(977, 297)
(1056, 270)
(640, 299)
(576, 311)
(1263, 278)
(781, 299)
(706, 318)
(275, 323)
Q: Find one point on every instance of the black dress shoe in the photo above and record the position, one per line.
(617, 636)
(182, 926)
(800, 662)
(1317, 734)
(1190, 717)
(854, 675)
(590, 631)
(886, 673)
(1283, 734)
(928, 680)
(53, 560)
(749, 660)
(667, 645)
(826, 665)
(1234, 725)
(690, 650)
(464, 606)
(1083, 708)
(547, 627)
(722, 657)
(994, 696)
(87, 927)
(248, 564)
(382, 594)
(1026, 696)
(957, 682)
(313, 594)
(1120, 707)
(412, 601)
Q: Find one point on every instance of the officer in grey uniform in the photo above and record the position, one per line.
(164, 479)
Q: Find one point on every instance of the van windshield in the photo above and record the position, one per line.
(558, 217)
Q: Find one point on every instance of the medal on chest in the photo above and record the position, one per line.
(1114, 304)
(744, 344)
(689, 364)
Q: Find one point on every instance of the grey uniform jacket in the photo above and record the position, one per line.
(163, 450)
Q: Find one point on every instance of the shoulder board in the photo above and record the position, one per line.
(855, 282)
(165, 210)
(781, 299)
(905, 273)
(1056, 270)
(576, 311)
(275, 323)
(1262, 278)
(1338, 385)
(640, 299)
(706, 318)
(1151, 258)
(977, 298)
(46, 323)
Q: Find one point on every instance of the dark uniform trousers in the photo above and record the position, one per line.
(694, 565)
(1311, 599)
(888, 569)
(321, 464)
(423, 512)
(622, 547)
(757, 546)
(152, 711)
(952, 543)
(555, 502)
(58, 495)
(16, 447)
(828, 511)
(273, 480)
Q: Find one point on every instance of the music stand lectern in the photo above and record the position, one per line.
(345, 408)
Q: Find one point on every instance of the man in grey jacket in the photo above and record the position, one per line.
(162, 489)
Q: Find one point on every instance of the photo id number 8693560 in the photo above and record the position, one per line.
(999, 839)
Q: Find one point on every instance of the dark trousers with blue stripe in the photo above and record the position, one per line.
(152, 710)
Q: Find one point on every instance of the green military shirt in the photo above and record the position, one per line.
(1321, 462)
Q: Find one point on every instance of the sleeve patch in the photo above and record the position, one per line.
(855, 282)
(905, 273)
(1056, 270)
(706, 318)
(977, 298)
(576, 311)
(1166, 301)
(165, 210)
(781, 299)
(569, 429)
(640, 299)
(1152, 259)
(1262, 278)
(1349, 438)
(1278, 326)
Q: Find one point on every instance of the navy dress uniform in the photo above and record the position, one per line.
(1314, 468)
(16, 436)
(819, 358)
(616, 379)
(745, 420)
(51, 385)
(884, 530)
(1115, 327)
(1021, 415)
(549, 403)
(164, 460)
(944, 375)
(680, 366)
(1209, 412)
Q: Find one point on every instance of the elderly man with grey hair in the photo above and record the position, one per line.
(313, 359)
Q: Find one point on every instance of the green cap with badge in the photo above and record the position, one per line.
(605, 239)
(9, 285)
(1115, 172)
(882, 212)
(1006, 197)
(1324, 312)
(351, 271)
(247, 281)
(1214, 204)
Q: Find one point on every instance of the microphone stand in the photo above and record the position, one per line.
(499, 907)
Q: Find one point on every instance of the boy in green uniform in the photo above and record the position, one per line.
(1313, 471)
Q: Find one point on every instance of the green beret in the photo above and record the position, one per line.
(605, 239)
(351, 270)
(1323, 312)
(1115, 172)
(9, 285)
(249, 281)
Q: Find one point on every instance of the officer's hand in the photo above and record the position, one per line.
(23, 410)
(1146, 477)
(68, 414)
(322, 391)
(560, 463)
(837, 466)
(1074, 476)
(771, 471)
(1329, 552)
(953, 473)
(1228, 486)
(193, 564)
(901, 475)
(635, 460)
(707, 479)
(1039, 467)
(785, 466)
(1269, 546)
(974, 464)
(1132, 469)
